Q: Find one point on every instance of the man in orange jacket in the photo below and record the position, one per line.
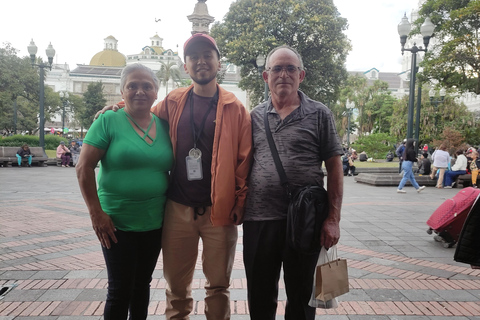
(212, 143)
(211, 137)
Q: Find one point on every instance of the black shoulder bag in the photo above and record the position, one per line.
(307, 210)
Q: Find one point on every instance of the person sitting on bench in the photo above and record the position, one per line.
(24, 153)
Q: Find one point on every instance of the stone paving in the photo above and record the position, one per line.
(52, 262)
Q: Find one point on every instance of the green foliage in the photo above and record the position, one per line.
(77, 107)
(454, 61)
(372, 106)
(314, 28)
(434, 118)
(51, 141)
(375, 145)
(94, 101)
(18, 82)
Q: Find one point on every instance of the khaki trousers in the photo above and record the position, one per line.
(440, 175)
(181, 234)
(474, 177)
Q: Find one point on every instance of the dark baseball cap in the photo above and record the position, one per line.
(196, 38)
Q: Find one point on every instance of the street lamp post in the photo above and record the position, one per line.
(403, 30)
(350, 106)
(64, 97)
(435, 101)
(32, 50)
(261, 65)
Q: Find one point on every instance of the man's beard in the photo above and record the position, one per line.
(203, 81)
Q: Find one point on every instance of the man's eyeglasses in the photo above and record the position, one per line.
(289, 69)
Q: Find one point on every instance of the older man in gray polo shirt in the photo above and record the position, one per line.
(305, 136)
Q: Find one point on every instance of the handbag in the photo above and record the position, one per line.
(307, 209)
(331, 278)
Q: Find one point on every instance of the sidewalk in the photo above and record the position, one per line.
(397, 271)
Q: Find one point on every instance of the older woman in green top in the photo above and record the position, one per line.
(135, 155)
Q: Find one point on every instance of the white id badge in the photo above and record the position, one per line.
(194, 168)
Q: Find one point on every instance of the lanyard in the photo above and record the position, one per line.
(213, 102)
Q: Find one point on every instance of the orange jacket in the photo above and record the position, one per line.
(232, 148)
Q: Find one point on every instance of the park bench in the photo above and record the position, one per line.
(463, 180)
(8, 155)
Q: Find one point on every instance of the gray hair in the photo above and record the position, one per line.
(284, 47)
(134, 67)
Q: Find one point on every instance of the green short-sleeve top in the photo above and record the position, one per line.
(133, 176)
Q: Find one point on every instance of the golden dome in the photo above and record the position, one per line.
(108, 58)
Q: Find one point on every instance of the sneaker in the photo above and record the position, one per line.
(474, 187)
(401, 191)
(67, 166)
(63, 165)
(453, 184)
(447, 187)
(420, 189)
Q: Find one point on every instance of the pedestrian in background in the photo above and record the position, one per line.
(474, 167)
(441, 160)
(400, 150)
(459, 168)
(24, 153)
(64, 154)
(75, 150)
(425, 166)
(409, 156)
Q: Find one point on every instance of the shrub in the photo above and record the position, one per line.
(375, 145)
(51, 141)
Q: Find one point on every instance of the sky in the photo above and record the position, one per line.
(77, 29)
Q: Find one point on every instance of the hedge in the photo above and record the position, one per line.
(51, 141)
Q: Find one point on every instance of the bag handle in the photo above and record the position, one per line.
(276, 158)
(334, 256)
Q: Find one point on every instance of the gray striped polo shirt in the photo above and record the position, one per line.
(304, 139)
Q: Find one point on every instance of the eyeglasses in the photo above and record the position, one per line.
(289, 69)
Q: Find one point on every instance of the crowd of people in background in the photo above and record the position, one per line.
(441, 166)
(437, 163)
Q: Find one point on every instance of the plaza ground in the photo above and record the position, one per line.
(50, 254)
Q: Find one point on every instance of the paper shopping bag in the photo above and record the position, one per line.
(331, 280)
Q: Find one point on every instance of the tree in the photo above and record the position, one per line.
(77, 107)
(434, 119)
(372, 102)
(454, 62)
(168, 70)
(19, 84)
(94, 102)
(313, 27)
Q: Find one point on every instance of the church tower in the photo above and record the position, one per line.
(200, 18)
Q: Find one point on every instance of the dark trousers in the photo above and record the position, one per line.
(65, 160)
(130, 264)
(264, 252)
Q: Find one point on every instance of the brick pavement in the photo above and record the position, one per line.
(51, 257)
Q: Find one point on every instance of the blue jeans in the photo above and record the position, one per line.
(451, 175)
(20, 160)
(130, 264)
(408, 175)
